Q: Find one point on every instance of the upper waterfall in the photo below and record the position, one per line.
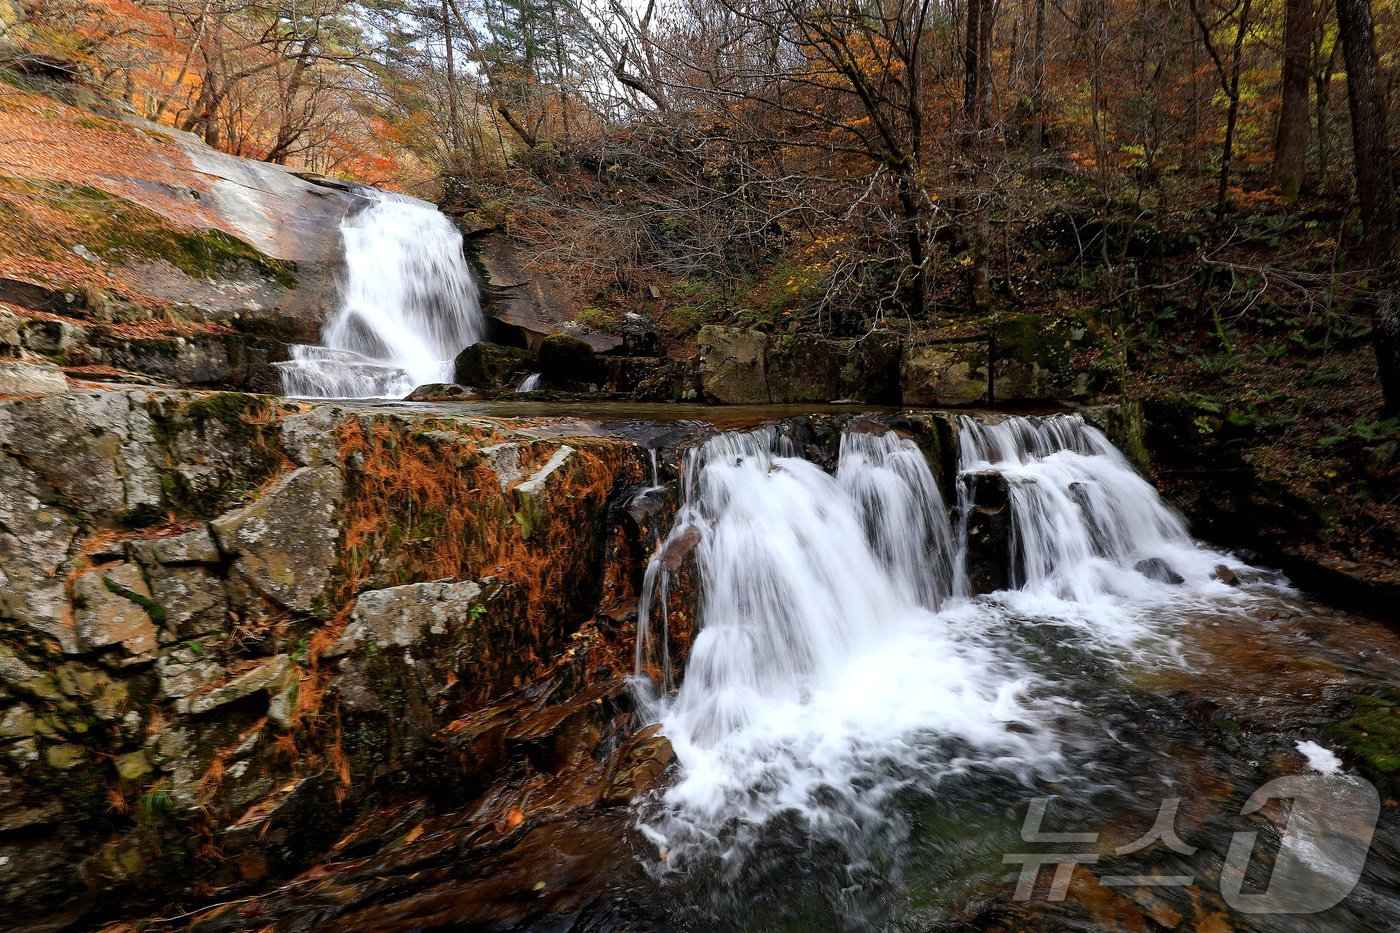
(408, 306)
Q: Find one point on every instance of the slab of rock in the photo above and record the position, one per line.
(733, 365)
(20, 377)
(406, 616)
(95, 448)
(286, 542)
(271, 677)
(111, 606)
(35, 538)
(193, 600)
(504, 461)
(192, 547)
(532, 496)
(944, 374)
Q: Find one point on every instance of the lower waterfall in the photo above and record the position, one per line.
(408, 306)
(840, 661)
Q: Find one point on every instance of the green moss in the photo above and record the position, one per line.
(1372, 735)
(116, 227)
(153, 608)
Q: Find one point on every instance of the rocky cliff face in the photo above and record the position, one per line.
(228, 621)
(129, 247)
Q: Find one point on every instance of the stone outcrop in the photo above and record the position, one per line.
(245, 620)
(152, 254)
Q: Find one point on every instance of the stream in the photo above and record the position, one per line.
(864, 739)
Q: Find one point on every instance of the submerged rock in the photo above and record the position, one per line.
(1155, 568)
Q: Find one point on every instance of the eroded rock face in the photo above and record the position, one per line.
(18, 377)
(177, 570)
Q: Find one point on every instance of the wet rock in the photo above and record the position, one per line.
(802, 368)
(679, 545)
(441, 392)
(568, 362)
(1155, 568)
(18, 377)
(489, 365)
(113, 606)
(639, 336)
(989, 556)
(638, 766)
(945, 374)
(532, 496)
(733, 365)
(286, 542)
(1225, 575)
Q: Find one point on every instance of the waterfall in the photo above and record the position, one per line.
(821, 647)
(839, 660)
(1086, 527)
(408, 306)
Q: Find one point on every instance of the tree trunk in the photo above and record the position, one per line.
(976, 104)
(1291, 141)
(1374, 188)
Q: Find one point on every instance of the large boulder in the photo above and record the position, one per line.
(945, 374)
(569, 362)
(802, 368)
(489, 365)
(733, 365)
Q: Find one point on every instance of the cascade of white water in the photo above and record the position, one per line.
(819, 654)
(1086, 527)
(835, 661)
(408, 306)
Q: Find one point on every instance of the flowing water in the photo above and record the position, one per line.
(854, 727)
(408, 306)
(865, 731)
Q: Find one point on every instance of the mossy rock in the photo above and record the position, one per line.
(1372, 735)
